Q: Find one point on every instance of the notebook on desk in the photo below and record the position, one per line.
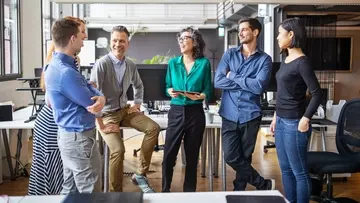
(254, 199)
(109, 197)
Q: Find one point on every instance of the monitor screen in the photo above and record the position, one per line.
(38, 72)
(153, 78)
(272, 84)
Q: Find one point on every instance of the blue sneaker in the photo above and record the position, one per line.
(142, 182)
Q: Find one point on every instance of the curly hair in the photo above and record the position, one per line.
(198, 41)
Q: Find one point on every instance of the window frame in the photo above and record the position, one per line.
(11, 76)
(52, 18)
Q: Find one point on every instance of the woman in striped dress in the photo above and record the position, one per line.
(46, 175)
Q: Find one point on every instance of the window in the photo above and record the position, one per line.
(50, 13)
(10, 40)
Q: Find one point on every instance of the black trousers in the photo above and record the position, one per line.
(238, 144)
(188, 123)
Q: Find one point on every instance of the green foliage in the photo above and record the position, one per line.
(158, 59)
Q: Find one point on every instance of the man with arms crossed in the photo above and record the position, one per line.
(72, 101)
(113, 74)
(242, 74)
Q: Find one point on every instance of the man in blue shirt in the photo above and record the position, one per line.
(72, 101)
(242, 74)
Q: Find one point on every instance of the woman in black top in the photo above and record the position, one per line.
(291, 123)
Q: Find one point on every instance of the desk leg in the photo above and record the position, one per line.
(203, 154)
(101, 145)
(8, 154)
(322, 132)
(18, 151)
(33, 94)
(213, 147)
(311, 142)
(210, 160)
(223, 169)
(106, 168)
(217, 149)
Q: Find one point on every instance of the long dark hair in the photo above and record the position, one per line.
(198, 41)
(298, 27)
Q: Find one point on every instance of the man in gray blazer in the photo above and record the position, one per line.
(113, 74)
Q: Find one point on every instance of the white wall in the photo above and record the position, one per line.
(30, 12)
(67, 10)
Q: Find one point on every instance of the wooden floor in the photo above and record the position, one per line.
(266, 164)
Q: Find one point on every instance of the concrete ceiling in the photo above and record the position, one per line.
(347, 15)
(302, 2)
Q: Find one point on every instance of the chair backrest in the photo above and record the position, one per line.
(348, 130)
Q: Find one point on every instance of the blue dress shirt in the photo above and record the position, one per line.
(240, 101)
(69, 94)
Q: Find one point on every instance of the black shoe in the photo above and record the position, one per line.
(270, 184)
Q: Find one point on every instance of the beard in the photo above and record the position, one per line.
(246, 40)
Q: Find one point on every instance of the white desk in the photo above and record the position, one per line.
(208, 197)
(19, 118)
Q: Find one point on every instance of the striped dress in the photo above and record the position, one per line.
(46, 175)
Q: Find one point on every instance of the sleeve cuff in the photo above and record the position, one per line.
(99, 93)
(308, 115)
(99, 115)
(95, 91)
(138, 101)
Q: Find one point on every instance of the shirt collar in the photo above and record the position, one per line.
(116, 60)
(257, 50)
(180, 60)
(64, 58)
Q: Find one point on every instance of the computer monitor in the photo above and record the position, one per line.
(272, 87)
(153, 78)
(38, 72)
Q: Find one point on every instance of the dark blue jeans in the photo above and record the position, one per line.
(292, 147)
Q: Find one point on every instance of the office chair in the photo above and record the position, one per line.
(346, 161)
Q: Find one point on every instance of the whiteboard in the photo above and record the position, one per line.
(87, 54)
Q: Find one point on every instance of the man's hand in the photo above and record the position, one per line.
(98, 105)
(93, 84)
(172, 93)
(110, 128)
(133, 109)
(227, 70)
(228, 74)
(194, 96)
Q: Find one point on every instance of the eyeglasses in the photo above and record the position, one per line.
(184, 38)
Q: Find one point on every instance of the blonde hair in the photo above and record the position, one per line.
(52, 49)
